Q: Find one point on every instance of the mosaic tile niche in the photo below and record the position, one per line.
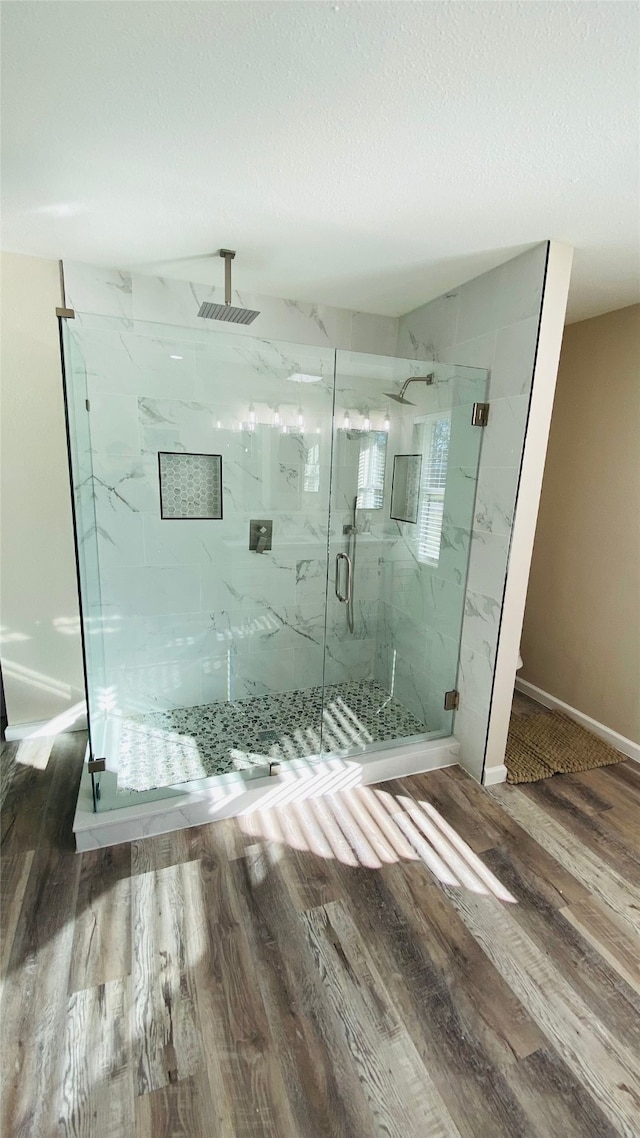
(190, 485)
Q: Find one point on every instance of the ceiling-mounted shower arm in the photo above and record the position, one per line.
(228, 255)
(227, 311)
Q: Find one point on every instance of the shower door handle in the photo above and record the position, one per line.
(347, 596)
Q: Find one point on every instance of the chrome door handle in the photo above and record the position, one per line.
(347, 596)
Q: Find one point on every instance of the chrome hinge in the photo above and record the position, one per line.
(480, 415)
(275, 768)
(451, 700)
(65, 313)
(97, 765)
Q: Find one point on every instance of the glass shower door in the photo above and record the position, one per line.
(402, 499)
(201, 469)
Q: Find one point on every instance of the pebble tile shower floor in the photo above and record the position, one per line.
(163, 748)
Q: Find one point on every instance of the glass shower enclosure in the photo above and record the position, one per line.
(272, 550)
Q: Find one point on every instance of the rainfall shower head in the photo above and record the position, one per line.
(399, 399)
(413, 379)
(227, 311)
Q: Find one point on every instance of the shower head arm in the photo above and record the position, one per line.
(415, 379)
(228, 255)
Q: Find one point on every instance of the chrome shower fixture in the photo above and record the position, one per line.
(227, 311)
(412, 379)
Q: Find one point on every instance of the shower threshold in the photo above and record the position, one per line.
(166, 748)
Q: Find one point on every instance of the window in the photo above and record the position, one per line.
(433, 440)
(373, 455)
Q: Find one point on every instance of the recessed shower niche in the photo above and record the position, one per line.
(205, 661)
(190, 485)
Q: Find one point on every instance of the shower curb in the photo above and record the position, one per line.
(226, 798)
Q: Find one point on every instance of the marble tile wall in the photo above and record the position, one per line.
(186, 613)
(489, 322)
(164, 300)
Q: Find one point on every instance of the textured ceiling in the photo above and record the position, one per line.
(370, 155)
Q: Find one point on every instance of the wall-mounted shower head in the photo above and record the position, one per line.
(227, 311)
(400, 398)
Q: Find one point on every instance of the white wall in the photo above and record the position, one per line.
(41, 654)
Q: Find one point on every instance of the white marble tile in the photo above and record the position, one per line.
(371, 333)
(488, 563)
(430, 329)
(365, 619)
(250, 589)
(465, 440)
(480, 624)
(151, 590)
(349, 660)
(459, 496)
(442, 653)
(125, 482)
(400, 632)
(411, 687)
(453, 560)
(475, 679)
(160, 686)
(311, 579)
(470, 730)
(114, 423)
(122, 642)
(512, 370)
(182, 542)
(92, 288)
(120, 534)
(503, 437)
(495, 498)
(443, 604)
(260, 673)
(177, 302)
(476, 353)
(184, 637)
(508, 293)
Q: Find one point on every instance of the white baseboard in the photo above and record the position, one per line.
(620, 742)
(493, 775)
(223, 799)
(44, 727)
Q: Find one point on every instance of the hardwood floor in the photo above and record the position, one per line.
(421, 959)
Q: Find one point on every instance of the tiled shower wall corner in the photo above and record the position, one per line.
(491, 322)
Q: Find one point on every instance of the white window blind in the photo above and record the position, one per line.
(371, 464)
(433, 433)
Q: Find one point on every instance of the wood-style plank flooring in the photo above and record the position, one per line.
(421, 959)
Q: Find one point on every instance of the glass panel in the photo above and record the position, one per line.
(213, 650)
(86, 538)
(394, 611)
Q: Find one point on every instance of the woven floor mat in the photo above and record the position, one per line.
(539, 746)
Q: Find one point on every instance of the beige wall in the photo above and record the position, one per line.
(581, 636)
(40, 650)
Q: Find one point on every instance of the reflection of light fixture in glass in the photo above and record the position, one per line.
(387, 420)
(276, 419)
(219, 425)
(301, 418)
(300, 377)
(318, 430)
(175, 357)
(252, 417)
(366, 426)
(347, 421)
